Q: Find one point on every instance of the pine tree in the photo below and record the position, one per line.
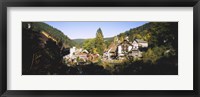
(99, 42)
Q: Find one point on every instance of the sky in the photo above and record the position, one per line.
(84, 30)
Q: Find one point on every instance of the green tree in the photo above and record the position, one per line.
(122, 36)
(153, 54)
(99, 42)
(89, 44)
(115, 39)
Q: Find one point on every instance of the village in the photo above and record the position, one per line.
(117, 51)
(138, 51)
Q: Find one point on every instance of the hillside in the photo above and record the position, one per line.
(43, 48)
(53, 32)
(108, 38)
(80, 41)
(156, 33)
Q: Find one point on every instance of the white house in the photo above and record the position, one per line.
(126, 48)
(72, 51)
(141, 43)
(135, 45)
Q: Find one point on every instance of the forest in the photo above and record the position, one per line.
(42, 55)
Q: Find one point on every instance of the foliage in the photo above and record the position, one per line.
(96, 45)
(155, 33)
(89, 45)
(162, 38)
(153, 54)
(57, 34)
(99, 42)
(40, 55)
(122, 36)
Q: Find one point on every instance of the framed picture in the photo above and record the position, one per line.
(83, 48)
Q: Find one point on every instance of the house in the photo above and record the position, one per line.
(125, 48)
(83, 55)
(110, 53)
(76, 55)
(72, 51)
(141, 43)
(135, 45)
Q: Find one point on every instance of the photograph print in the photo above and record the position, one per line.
(99, 48)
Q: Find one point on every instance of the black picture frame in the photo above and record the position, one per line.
(98, 3)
